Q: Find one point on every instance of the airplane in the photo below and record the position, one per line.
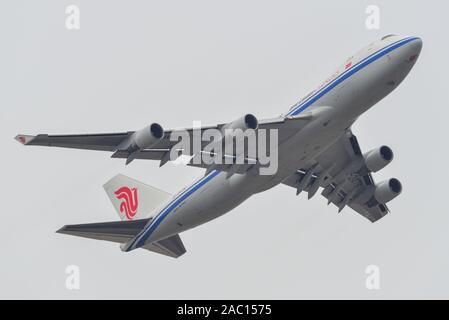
(316, 149)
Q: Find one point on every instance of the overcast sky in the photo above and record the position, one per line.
(136, 62)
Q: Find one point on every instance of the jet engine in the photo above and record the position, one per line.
(378, 158)
(147, 136)
(244, 123)
(387, 190)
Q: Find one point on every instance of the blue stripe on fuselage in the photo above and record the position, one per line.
(345, 75)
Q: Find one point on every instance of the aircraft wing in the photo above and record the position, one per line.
(115, 142)
(341, 172)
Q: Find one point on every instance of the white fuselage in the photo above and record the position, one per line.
(357, 85)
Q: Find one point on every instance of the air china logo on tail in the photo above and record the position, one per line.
(129, 200)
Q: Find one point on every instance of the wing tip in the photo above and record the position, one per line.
(24, 138)
(62, 230)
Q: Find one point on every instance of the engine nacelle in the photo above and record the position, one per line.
(378, 158)
(248, 121)
(387, 190)
(148, 136)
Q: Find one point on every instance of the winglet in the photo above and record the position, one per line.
(24, 139)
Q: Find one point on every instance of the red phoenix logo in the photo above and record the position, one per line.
(129, 200)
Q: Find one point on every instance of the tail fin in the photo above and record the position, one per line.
(133, 199)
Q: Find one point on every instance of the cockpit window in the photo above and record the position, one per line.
(388, 36)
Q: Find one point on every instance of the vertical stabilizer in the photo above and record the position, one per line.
(133, 199)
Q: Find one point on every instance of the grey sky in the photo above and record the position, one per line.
(136, 62)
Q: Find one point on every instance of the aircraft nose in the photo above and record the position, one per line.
(414, 49)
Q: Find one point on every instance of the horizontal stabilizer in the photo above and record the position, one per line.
(172, 246)
(116, 231)
(123, 231)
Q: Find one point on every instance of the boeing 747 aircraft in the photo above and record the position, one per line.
(316, 149)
